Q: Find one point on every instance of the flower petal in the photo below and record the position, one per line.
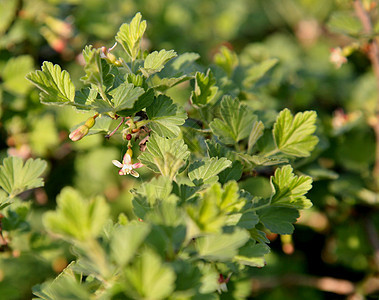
(137, 165)
(117, 163)
(134, 173)
(127, 160)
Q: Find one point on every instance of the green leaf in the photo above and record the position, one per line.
(257, 71)
(130, 35)
(345, 22)
(126, 240)
(290, 189)
(149, 278)
(260, 160)
(278, 219)
(158, 189)
(15, 177)
(175, 71)
(75, 217)
(294, 135)
(234, 172)
(8, 10)
(252, 254)
(156, 61)
(65, 286)
(143, 101)
(222, 246)
(237, 121)
(97, 69)
(164, 155)
(255, 134)
(55, 84)
(165, 117)
(85, 98)
(205, 88)
(14, 72)
(205, 171)
(125, 95)
(206, 213)
(226, 59)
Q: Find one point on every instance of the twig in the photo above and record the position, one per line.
(325, 284)
(114, 131)
(373, 54)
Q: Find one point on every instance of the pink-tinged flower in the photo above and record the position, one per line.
(337, 57)
(126, 167)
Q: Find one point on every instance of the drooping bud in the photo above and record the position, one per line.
(79, 133)
(130, 152)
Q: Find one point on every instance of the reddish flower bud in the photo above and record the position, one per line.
(128, 136)
(79, 133)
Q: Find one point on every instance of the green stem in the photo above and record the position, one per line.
(125, 65)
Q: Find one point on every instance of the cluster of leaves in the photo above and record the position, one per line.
(301, 77)
(192, 225)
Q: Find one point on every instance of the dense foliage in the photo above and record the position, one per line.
(220, 155)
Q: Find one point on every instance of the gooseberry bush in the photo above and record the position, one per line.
(194, 231)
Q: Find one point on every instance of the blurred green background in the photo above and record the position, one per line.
(331, 241)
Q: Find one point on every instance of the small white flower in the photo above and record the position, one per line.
(126, 167)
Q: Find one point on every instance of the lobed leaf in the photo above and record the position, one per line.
(55, 84)
(278, 219)
(290, 189)
(77, 218)
(237, 121)
(221, 246)
(255, 134)
(294, 135)
(15, 177)
(257, 71)
(130, 35)
(205, 89)
(205, 171)
(125, 95)
(162, 155)
(165, 117)
(149, 277)
(126, 240)
(156, 61)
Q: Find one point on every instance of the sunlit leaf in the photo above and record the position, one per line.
(156, 61)
(77, 218)
(130, 35)
(165, 117)
(294, 135)
(15, 177)
(290, 189)
(237, 121)
(55, 84)
(205, 88)
(205, 171)
(163, 154)
(222, 246)
(149, 278)
(126, 240)
(125, 95)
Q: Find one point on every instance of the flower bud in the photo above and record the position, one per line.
(130, 152)
(79, 133)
